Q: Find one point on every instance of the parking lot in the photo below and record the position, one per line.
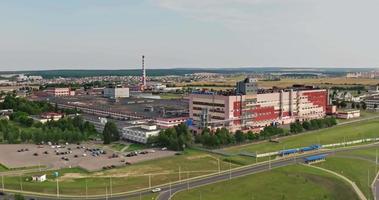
(90, 157)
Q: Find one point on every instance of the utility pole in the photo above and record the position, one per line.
(256, 157)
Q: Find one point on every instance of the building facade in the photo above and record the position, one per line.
(255, 111)
(348, 114)
(116, 92)
(139, 133)
(372, 103)
(169, 122)
(247, 86)
(60, 92)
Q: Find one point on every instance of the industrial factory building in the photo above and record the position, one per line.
(253, 109)
(116, 92)
(60, 92)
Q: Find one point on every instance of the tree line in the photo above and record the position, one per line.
(176, 138)
(313, 124)
(179, 137)
(22, 128)
(71, 130)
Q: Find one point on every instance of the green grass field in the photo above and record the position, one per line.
(358, 166)
(291, 182)
(3, 168)
(353, 131)
(73, 181)
(170, 96)
(135, 147)
(117, 146)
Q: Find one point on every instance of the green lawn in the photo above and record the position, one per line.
(73, 181)
(358, 166)
(291, 182)
(3, 168)
(135, 147)
(170, 96)
(353, 131)
(117, 146)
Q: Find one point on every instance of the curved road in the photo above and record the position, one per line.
(168, 191)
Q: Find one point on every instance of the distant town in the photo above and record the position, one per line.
(55, 130)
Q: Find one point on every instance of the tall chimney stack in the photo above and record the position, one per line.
(143, 80)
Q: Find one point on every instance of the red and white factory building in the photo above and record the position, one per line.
(250, 109)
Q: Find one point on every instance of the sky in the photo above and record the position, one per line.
(113, 34)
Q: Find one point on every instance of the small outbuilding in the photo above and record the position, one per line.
(39, 178)
(314, 159)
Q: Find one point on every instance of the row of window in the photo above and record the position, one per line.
(208, 104)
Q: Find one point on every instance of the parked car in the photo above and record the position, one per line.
(155, 190)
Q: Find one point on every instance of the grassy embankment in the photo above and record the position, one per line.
(291, 182)
(73, 181)
(353, 131)
(359, 166)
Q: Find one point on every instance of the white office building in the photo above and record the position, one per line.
(139, 133)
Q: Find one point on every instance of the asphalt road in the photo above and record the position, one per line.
(168, 191)
(376, 189)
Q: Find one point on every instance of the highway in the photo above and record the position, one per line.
(169, 190)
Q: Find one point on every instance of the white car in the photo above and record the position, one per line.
(155, 190)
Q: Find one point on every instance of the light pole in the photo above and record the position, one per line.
(57, 187)
(106, 192)
(269, 162)
(230, 170)
(170, 189)
(188, 187)
(86, 189)
(149, 181)
(21, 183)
(110, 185)
(180, 178)
(218, 163)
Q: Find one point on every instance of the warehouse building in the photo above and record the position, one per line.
(254, 111)
(116, 92)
